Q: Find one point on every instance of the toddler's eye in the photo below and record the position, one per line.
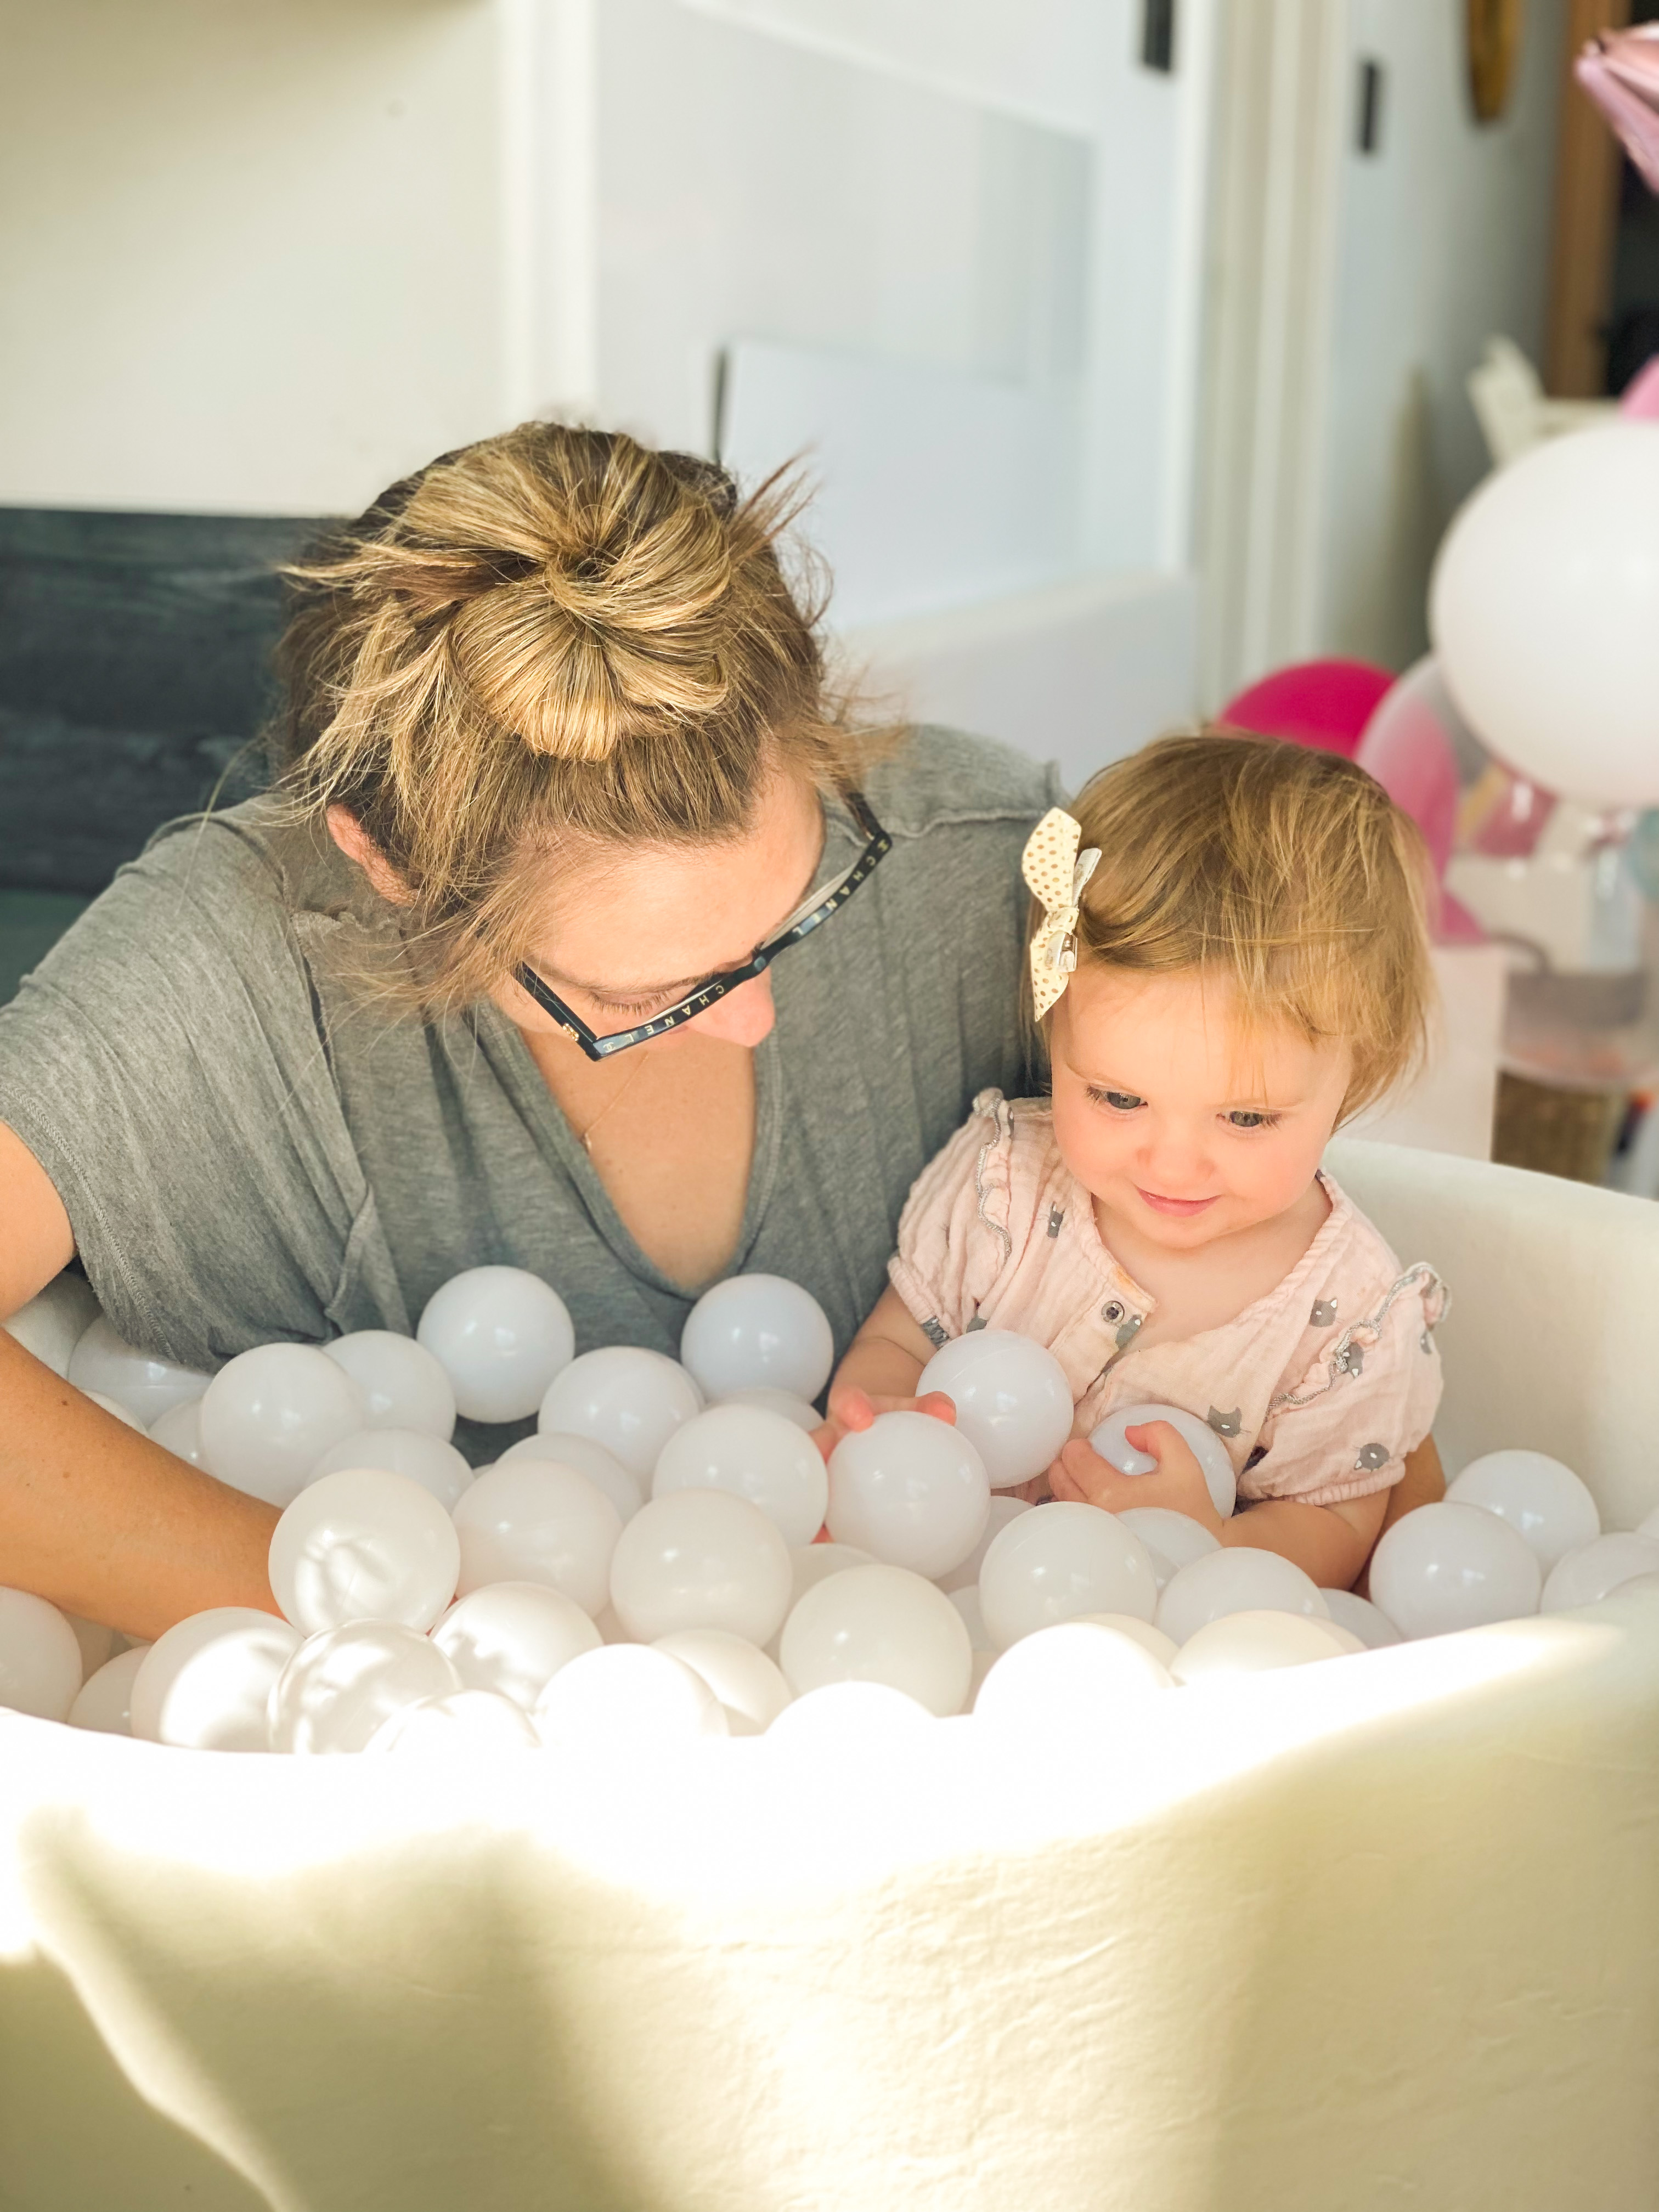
(1243, 1118)
(1122, 1101)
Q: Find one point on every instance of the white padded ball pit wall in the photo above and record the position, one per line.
(1372, 1935)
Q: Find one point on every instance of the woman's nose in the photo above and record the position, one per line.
(746, 1017)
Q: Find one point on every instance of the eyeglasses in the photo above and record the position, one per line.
(804, 920)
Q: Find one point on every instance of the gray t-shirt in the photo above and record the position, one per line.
(248, 1149)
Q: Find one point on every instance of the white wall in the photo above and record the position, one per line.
(252, 255)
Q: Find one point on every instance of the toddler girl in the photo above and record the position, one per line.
(1228, 960)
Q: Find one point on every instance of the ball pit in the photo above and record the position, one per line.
(938, 1876)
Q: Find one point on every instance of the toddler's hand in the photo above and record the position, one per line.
(1082, 1476)
(851, 1408)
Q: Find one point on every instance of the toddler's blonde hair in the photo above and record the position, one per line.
(1287, 872)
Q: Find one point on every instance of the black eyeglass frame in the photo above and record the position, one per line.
(801, 923)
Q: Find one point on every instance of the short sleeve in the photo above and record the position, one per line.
(166, 1066)
(954, 1235)
(1343, 1429)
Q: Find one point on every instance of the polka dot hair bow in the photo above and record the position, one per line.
(1056, 872)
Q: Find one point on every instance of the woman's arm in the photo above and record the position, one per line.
(880, 1372)
(93, 1515)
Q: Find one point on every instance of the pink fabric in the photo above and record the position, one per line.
(1322, 703)
(1332, 1377)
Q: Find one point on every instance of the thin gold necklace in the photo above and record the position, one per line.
(616, 1098)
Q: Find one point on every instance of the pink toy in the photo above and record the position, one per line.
(1324, 703)
(1641, 401)
(1620, 72)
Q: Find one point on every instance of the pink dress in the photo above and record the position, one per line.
(1319, 1388)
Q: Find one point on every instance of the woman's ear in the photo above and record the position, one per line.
(354, 842)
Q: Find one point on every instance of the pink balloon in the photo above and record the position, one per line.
(1327, 704)
(1641, 401)
(1406, 748)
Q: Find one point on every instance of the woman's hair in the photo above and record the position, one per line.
(553, 638)
(1288, 871)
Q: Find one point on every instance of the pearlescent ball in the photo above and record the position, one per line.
(512, 1638)
(364, 1544)
(808, 1564)
(793, 1408)
(601, 1467)
(39, 1657)
(1446, 1567)
(911, 1490)
(626, 1398)
(967, 1603)
(1255, 1643)
(415, 1454)
(1175, 1540)
(527, 1521)
(1060, 1562)
(269, 1414)
(626, 1703)
(701, 1558)
(501, 1335)
(465, 1724)
(404, 1385)
(338, 1687)
(755, 1455)
(1540, 1499)
(97, 1643)
(1235, 1578)
(1108, 1439)
(206, 1685)
(114, 1407)
(180, 1431)
(1361, 1619)
(750, 1685)
(147, 1385)
(1161, 1647)
(1004, 1510)
(1075, 1678)
(54, 1320)
(1013, 1403)
(104, 1702)
(879, 1623)
(856, 1717)
(1586, 1576)
(755, 1332)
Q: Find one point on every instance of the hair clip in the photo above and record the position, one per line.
(1056, 873)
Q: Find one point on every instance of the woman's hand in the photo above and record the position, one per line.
(852, 1408)
(1082, 1476)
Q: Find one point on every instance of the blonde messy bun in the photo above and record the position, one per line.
(554, 634)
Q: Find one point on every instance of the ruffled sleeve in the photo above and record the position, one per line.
(1342, 1428)
(956, 1237)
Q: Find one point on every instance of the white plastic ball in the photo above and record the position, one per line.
(339, 1687)
(755, 1455)
(363, 1544)
(701, 1558)
(625, 1491)
(269, 1414)
(1108, 1439)
(104, 1701)
(180, 1431)
(1361, 1619)
(841, 1716)
(758, 1332)
(465, 1724)
(626, 1398)
(1255, 1643)
(113, 1406)
(1075, 1676)
(1175, 1540)
(1446, 1567)
(526, 1520)
(750, 1685)
(1544, 609)
(205, 1684)
(911, 1490)
(1013, 1403)
(1060, 1562)
(808, 1564)
(97, 1643)
(512, 1638)
(501, 1335)
(403, 1384)
(1235, 1578)
(54, 1320)
(1161, 1647)
(415, 1454)
(145, 1384)
(967, 1603)
(1004, 1510)
(39, 1658)
(627, 1701)
(1540, 1499)
(1649, 1526)
(1586, 1576)
(805, 1416)
(879, 1623)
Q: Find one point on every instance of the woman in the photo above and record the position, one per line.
(490, 978)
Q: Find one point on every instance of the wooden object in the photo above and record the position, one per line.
(1586, 218)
